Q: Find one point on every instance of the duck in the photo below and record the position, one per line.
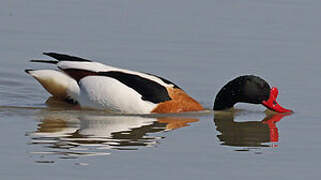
(94, 85)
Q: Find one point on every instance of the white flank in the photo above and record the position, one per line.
(107, 93)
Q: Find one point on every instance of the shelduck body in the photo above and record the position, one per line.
(99, 86)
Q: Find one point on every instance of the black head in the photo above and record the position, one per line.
(247, 89)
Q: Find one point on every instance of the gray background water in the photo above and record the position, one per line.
(199, 45)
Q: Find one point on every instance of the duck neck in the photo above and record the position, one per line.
(229, 95)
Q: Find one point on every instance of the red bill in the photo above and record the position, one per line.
(272, 104)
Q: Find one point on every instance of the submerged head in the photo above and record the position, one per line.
(248, 89)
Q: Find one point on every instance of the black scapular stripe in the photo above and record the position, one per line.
(65, 57)
(150, 90)
(78, 74)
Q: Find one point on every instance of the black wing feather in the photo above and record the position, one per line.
(65, 57)
(150, 90)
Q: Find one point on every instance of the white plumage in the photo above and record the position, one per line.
(99, 67)
(57, 83)
(107, 93)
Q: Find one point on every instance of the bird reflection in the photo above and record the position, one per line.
(248, 133)
(71, 134)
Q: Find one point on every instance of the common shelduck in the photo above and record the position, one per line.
(99, 86)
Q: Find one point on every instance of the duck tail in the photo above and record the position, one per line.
(60, 85)
(44, 61)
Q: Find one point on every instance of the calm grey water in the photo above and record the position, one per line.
(199, 45)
